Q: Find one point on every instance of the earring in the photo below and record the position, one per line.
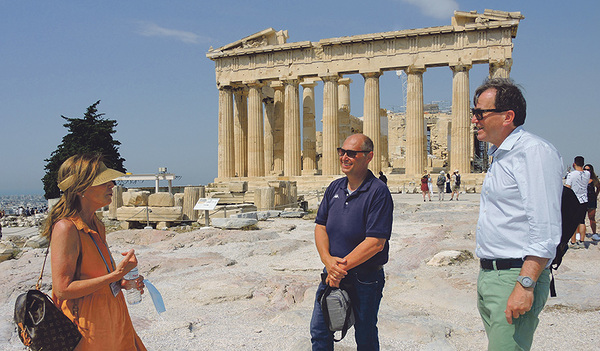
(82, 195)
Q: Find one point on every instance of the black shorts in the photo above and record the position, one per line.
(582, 211)
(592, 202)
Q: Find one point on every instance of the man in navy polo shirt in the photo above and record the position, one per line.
(353, 226)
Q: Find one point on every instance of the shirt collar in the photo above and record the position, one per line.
(81, 225)
(509, 142)
(364, 186)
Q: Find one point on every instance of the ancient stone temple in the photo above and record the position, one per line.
(267, 128)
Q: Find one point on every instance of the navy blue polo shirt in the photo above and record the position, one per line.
(349, 219)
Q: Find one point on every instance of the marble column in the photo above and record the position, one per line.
(292, 164)
(500, 68)
(269, 126)
(330, 158)
(240, 120)
(309, 129)
(344, 108)
(256, 154)
(278, 117)
(191, 194)
(372, 123)
(460, 151)
(416, 143)
(226, 162)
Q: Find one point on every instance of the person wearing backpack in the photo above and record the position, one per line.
(519, 225)
(352, 232)
(441, 182)
(456, 186)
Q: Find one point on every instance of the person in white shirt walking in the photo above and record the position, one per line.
(578, 181)
(519, 224)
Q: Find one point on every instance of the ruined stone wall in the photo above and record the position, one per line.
(438, 123)
(439, 126)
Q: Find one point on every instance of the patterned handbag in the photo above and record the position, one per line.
(41, 325)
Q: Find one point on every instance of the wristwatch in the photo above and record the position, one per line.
(526, 282)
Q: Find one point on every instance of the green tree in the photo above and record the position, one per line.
(92, 133)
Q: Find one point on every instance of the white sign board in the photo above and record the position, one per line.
(206, 204)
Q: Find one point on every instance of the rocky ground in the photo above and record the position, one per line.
(254, 289)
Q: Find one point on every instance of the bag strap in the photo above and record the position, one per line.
(38, 285)
(323, 299)
(552, 284)
(101, 255)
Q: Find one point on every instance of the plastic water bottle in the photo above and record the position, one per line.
(132, 295)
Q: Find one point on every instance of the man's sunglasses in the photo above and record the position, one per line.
(350, 153)
(478, 113)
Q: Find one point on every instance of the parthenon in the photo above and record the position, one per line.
(264, 135)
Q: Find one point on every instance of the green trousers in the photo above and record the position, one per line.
(493, 289)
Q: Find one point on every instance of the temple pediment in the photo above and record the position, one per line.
(265, 37)
(472, 18)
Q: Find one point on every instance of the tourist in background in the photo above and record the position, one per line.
(424, 186)
(455, 184)
(441, 182)
(429, 185)
(593, 189)
(86, 282)
(448, 181)
(1, 215)
(519, 225)
(382, 177)
(578, 180)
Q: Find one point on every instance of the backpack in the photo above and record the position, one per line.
(570, 221)
(458, 180)
(441, 180)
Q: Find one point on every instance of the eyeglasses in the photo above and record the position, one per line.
(478, 113)
(350, 153)
(586, 169)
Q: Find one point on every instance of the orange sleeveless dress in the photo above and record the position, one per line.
(103, 318)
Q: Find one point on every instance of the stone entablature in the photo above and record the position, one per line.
(472, 38)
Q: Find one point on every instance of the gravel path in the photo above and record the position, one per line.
(254, 289)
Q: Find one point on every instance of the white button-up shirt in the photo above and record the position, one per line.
(519, 212)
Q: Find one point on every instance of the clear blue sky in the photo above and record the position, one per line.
(146, 61)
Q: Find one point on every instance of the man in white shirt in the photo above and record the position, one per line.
(519, 224)
(578, 181)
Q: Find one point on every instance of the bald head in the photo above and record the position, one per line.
(365, 143)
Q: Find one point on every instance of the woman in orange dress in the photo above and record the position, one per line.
(86, 281)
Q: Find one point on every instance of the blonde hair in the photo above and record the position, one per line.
(82, 168)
